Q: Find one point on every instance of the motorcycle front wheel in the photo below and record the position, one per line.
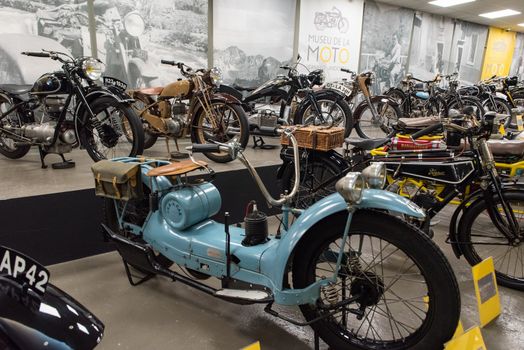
(464, 102)
(407, 296)
(120, 134)
(229, 121)
(335, 112)
(479, 239)
(388, 115)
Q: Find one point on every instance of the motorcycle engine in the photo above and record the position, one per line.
(177, 123)
(265, 118)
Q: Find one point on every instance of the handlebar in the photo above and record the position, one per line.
(36, 54)
(171, 63)
(347, 70)
(208, 147)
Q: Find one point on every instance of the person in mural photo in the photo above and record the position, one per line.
(395, 61)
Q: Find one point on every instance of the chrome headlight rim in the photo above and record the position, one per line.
(375, 175)
(350, 187)
(92, 68)
(134, 24)
(216, 76)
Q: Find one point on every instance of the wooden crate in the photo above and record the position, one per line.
(319, 138)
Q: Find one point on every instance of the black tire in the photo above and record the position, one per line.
(438, 315)
(475, 219)
(401, 99)
(344, 116)
(390, 113)
(8, 147)
(136, 213)
(313, 172)
(466, 101)
(202, 133)
(502, 106)
(126, 142)
(149, 137)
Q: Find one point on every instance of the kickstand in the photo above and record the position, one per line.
(176, 154)
(316, 340)
(42, 156)
(65, 164)
(146, 277)
(259, 142)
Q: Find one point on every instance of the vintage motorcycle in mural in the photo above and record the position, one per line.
(209, 116)
(331, 19)
(353, 269)
(65, 109)
(34, 314)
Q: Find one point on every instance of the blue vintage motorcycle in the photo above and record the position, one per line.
(363, 278)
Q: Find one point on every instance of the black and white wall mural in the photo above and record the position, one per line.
(517, 65)
(249, 57)
(467, 50)
(58, 25)
(134, 35)
(430, 45)
(386, 35)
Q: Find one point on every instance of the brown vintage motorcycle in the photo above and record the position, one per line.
(192, 106)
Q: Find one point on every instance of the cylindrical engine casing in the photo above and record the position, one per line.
(41, 132)
(190, 205)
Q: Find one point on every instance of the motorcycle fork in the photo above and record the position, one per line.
(312, 98)
(511, 232)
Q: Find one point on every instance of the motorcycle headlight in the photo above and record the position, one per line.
(321, 77)
(216, 76)
(92, 68)
(134, 24)
(350, 187)
(375, 175)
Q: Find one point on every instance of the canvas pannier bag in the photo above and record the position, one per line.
(117, 180)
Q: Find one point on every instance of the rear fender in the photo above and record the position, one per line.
(286, 154)
(275, 260)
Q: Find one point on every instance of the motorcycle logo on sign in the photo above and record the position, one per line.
(331, 19)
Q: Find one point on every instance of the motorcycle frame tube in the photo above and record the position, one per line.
(265, 264)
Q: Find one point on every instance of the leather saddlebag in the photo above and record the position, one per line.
(117, 180)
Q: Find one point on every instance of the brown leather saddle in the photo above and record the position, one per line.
(177, 168)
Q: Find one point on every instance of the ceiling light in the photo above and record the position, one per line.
(448, 3)
(521, 24)
(501, 13)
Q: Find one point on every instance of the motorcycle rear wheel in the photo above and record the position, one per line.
(477, 231)
(232, 117)
(118, 119)
(388, 112)
(136, 213)
(8, 147)
(409, 299)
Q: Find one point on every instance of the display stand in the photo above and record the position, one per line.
(258, 142)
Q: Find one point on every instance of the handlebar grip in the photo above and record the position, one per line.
(204, 148)
(285, 67)
(36, 54)
(346, 70)
(426, 131)
(172, 63)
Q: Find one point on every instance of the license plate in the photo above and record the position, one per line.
(23, 269)
(108, 81)
(339, 87)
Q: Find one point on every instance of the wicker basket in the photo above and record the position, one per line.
(319, 138)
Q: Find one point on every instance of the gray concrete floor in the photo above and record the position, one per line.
(161, 314)
(24, 177)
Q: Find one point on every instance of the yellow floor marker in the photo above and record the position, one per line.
(254, 346)
(471, 340)
(486, 291)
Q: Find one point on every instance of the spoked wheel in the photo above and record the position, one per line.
(335, 112)
(406, 295)
(467, 101)
(369, 127)
(227, 122)
(479, 239)
(150, 136)
(9, 147)
(317, 180)
(136, 211)
(120, 134)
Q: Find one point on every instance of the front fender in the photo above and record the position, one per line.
(196, 106)
(275, 260)
(319, 94)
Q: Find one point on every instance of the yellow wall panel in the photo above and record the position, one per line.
(499, 53)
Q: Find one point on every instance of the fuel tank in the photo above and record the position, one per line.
(179, 88)
(52, 83)
(447, 171)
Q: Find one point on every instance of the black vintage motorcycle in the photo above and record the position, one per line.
(66, 109)
(34, 314)
(297, 102)
(487, 221)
